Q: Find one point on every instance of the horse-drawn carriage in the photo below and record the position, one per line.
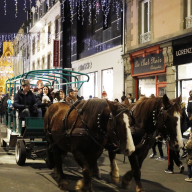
(27, 136)
(85, 128)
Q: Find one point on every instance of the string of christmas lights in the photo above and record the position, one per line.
(5, 7)
(25, 6)
(16, 10)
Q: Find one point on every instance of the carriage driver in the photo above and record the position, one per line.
(25, 102)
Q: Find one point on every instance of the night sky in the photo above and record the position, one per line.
(8, 22)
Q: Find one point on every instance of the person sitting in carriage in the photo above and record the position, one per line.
(25, 102)
(70, 98)
(44, 99)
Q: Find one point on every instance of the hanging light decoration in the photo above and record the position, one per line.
(5, 7)
(81, 6)
(63, 11)
(25, 6)
(16, 10)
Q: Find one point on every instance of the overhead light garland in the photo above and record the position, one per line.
(16, 10)
(5, 7)
(82, 7)
(25, 6)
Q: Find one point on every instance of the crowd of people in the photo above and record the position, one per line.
(34, 102)
(31, 102)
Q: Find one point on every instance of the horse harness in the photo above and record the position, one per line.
(137, 130)
(86, 131)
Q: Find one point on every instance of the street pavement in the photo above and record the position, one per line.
(34, 176)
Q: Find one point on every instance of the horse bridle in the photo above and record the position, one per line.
(162, 110)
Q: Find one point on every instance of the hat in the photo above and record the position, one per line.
(70, 90)
(25, 82)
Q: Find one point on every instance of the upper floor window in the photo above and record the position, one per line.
(145, 12)
(49, 33)
(189, 14)
(38, 42)
(33, 46)
(56, 28)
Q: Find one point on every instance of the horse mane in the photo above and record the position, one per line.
(145, 107)
(91, 108)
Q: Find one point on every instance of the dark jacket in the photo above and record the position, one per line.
(22, 101)
(39, 100)
(4, 103)
(188, 146)
(189, 107)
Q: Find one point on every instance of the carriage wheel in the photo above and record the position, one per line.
(49, 159)
(20, 152)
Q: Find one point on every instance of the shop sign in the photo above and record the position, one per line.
(182, 54)
(149, 64)
(85, 66)
(55, 53)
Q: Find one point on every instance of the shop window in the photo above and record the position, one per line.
(185, 81)
(161, 78)
(89, 89)
(107, 84)
(147, 86)
(145, 12)
(188, 13)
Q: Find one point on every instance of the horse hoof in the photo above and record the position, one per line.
(140, 190)
(126, 184)
(63, 184)
(79, 185)
(115, 179)
(80, 188)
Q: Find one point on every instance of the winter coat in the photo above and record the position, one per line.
(189, 107)
(1, 111)
(188, 146)
(4, 103)
(21, 100)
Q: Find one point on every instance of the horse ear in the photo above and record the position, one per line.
(166, 100)
(112, 107)
(179, 99)
(126, 102)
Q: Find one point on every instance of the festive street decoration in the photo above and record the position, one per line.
(79, 6)
(5, 7)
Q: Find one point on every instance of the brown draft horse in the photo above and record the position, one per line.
(83, 129)
(149, 116)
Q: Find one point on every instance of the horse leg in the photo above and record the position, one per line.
(83, 185)
(135, 166)
(94, 169)
(62, 183)
(114, 168)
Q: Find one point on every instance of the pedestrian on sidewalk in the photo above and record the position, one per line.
(159, 143)
(173, 156)
(188, 147)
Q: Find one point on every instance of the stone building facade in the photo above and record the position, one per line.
(160, 24)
